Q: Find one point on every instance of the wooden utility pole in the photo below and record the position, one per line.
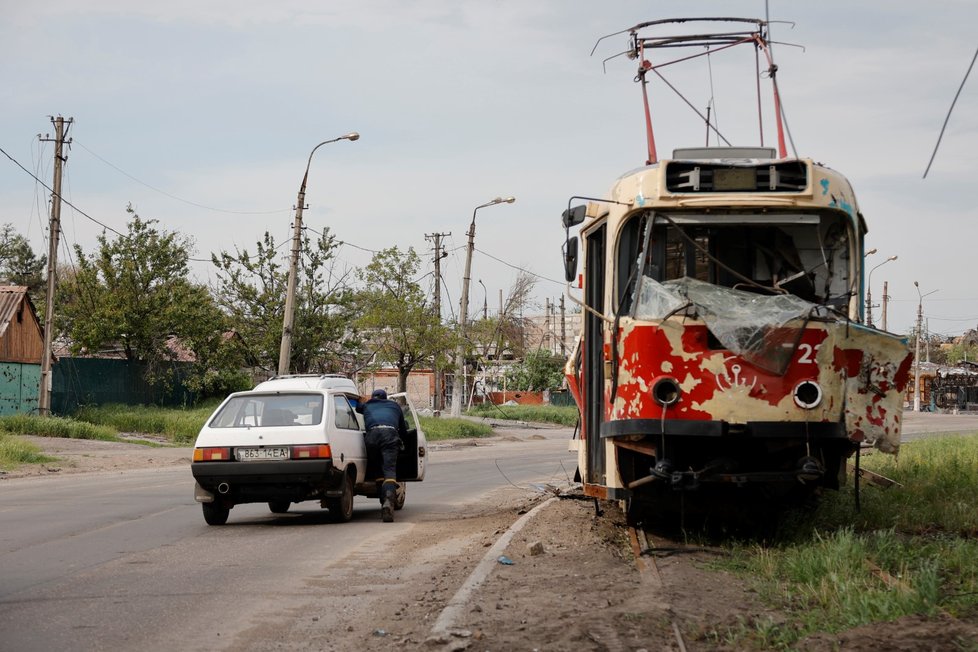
(54, 232)
(439, 402)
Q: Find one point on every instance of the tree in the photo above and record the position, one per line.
(135, 293)
(538, 371)
(401, 325)
(19, 265)
(506, 331)
(252, 288)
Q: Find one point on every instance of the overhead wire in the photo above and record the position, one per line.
(948, 116)
(171, 195)
(51, 190)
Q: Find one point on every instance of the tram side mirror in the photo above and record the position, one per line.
(570, 259)
(573, 216)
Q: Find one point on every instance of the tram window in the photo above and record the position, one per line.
(807, 255)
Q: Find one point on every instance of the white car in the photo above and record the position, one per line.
(292, 439)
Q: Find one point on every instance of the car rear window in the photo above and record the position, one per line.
(270, 410)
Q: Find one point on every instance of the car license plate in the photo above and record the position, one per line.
(259, 454)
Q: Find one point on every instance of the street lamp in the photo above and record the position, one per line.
(285, 352)
(916, 359)
(869, 290)
(458, 384)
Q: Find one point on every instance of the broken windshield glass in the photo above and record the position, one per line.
(762, 329)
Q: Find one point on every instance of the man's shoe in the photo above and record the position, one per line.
(387, 511)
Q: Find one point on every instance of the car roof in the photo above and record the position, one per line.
(308, 381)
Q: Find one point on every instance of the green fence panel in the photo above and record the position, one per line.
(563, 398)
(19, 387)
(88, 381)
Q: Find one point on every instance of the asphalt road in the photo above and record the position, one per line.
(125, 561)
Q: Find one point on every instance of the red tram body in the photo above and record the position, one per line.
(722, 340)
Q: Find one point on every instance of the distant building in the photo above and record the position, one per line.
(21, 348)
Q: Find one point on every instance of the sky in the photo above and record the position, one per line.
(202, 115)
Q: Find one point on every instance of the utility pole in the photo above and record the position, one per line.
(546, 326)
(54, 231)
(563, 328)
(458, 384)
(288, 320)
(886, 299)
(916, 357)
(439, 402)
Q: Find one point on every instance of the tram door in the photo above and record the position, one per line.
(594, 281)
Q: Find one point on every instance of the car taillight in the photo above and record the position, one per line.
(212, 454)
(317, 451)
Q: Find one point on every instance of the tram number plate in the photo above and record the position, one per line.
(259, 454)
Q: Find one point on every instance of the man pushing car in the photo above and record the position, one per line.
(385, 426)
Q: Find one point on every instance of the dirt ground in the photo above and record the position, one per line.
(573, 582)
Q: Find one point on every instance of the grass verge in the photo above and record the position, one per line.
(178, 425)
(15, 451)
(437, 428)
(24, 424)
(561, 415)
(911, 549)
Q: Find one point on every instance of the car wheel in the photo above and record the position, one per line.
(341, 508)
(400, 496)
(215, 513)
(279, 506)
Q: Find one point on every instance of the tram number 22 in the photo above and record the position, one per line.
(808, 353)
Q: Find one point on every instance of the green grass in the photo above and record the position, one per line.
(561, 415)
(15, 451)
(437, 428)
(178, 425)
(923, 534)
(23, 424)
(181, 426)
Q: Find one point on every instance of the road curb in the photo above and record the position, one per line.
(452, 610)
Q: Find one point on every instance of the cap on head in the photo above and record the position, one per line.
(379, 393)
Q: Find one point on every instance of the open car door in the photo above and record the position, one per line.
(411, 460)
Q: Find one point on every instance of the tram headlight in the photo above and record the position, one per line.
(808, 394)
(666, 391)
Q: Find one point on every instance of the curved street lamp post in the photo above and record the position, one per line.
(458, 383)
(285, 352)
(869, 290)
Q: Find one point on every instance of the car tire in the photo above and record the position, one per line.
(341, 507)
(400, 496)
(279, 506)
(215, 513)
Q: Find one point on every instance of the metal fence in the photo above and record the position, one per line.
(88, 381)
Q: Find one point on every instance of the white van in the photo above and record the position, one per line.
(291, 439)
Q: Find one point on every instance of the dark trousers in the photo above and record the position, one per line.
(383, 445)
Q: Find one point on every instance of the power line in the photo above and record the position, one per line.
(522, 269)
(172, 196)
(51, 190)
(948, 116)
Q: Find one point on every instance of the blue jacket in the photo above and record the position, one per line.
(383, 412)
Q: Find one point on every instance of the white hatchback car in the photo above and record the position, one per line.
(292, 439)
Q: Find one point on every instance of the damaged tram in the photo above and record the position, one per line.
(722, 342)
